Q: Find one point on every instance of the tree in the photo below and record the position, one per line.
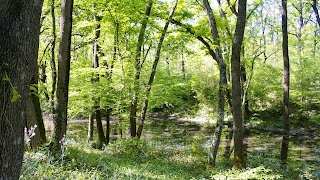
(60, 119)
(217, 55)
(19, 39)
(316, 12)
(137, 69)
(53, 59)
(96, 79)
(153, 71)
(238, 128)
(286, 85)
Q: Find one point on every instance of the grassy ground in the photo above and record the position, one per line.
(169, 149)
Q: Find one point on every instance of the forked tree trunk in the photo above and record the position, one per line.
(222, 84)
(286, 80)
(153, 71)
(60, 119)
(19, 41)
(137, 69)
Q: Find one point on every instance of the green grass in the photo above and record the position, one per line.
(169, 150)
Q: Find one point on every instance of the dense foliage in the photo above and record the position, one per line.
(186, 84)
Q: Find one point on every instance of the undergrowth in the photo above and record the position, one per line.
(157, 156)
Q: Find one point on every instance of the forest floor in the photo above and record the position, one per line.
(170, 148)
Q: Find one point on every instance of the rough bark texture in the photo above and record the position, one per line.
(19, 38)
(286, 80)
(137, 69)
(153, 71)
(238, 127)
(60, 119)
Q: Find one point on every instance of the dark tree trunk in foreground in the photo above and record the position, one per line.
(19, 40)
(238, 126)
(217, 55)
(137, 69)
(286, 80)
(153, 71)
(60, 119)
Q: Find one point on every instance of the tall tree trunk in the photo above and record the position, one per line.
(53, 57)
(153, 71)
(137, 69)
(19, 40)
(286, 85)
(222, 84)
(96, 78)
(60, 119)
(238, 126)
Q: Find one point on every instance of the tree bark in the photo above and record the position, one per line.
(137, 69)
(217, 55)
(19, 40)
(53, 61)
(96, 78)
(37, 108)
(153, 71)
(60, 119)
(238, 126)
(90, 128)
(286, 85)
(316, 12)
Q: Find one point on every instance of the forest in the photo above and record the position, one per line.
(159, 89)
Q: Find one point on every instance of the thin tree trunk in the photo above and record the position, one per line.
(37, 108)
(43, 78)
(137, 69)
(222, 84)
(53, 57)
(90, 128)
(108, 113)
(316, 12)
(96, 49)
(183, 68)
(238, 126)
(32, 132)
(102, 138)
(286, 85)
(153, 71)
(19, 41)
(60, 119)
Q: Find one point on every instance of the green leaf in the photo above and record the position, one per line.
(15, 95)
